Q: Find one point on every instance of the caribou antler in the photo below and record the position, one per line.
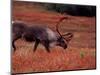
(59, 23)
(69, 36)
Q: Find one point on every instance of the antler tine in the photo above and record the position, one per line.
(67, 34)
(59, 23)
(70, 35)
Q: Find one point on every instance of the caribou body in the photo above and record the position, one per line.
(38, 34)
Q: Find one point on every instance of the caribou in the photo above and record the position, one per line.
(40, 35)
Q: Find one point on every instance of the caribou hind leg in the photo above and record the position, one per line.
(13, 43)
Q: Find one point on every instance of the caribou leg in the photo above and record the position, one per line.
(36, 44)
(13, 43)
(46, 44)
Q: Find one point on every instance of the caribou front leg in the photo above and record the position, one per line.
(36, 44)
(46, 44)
